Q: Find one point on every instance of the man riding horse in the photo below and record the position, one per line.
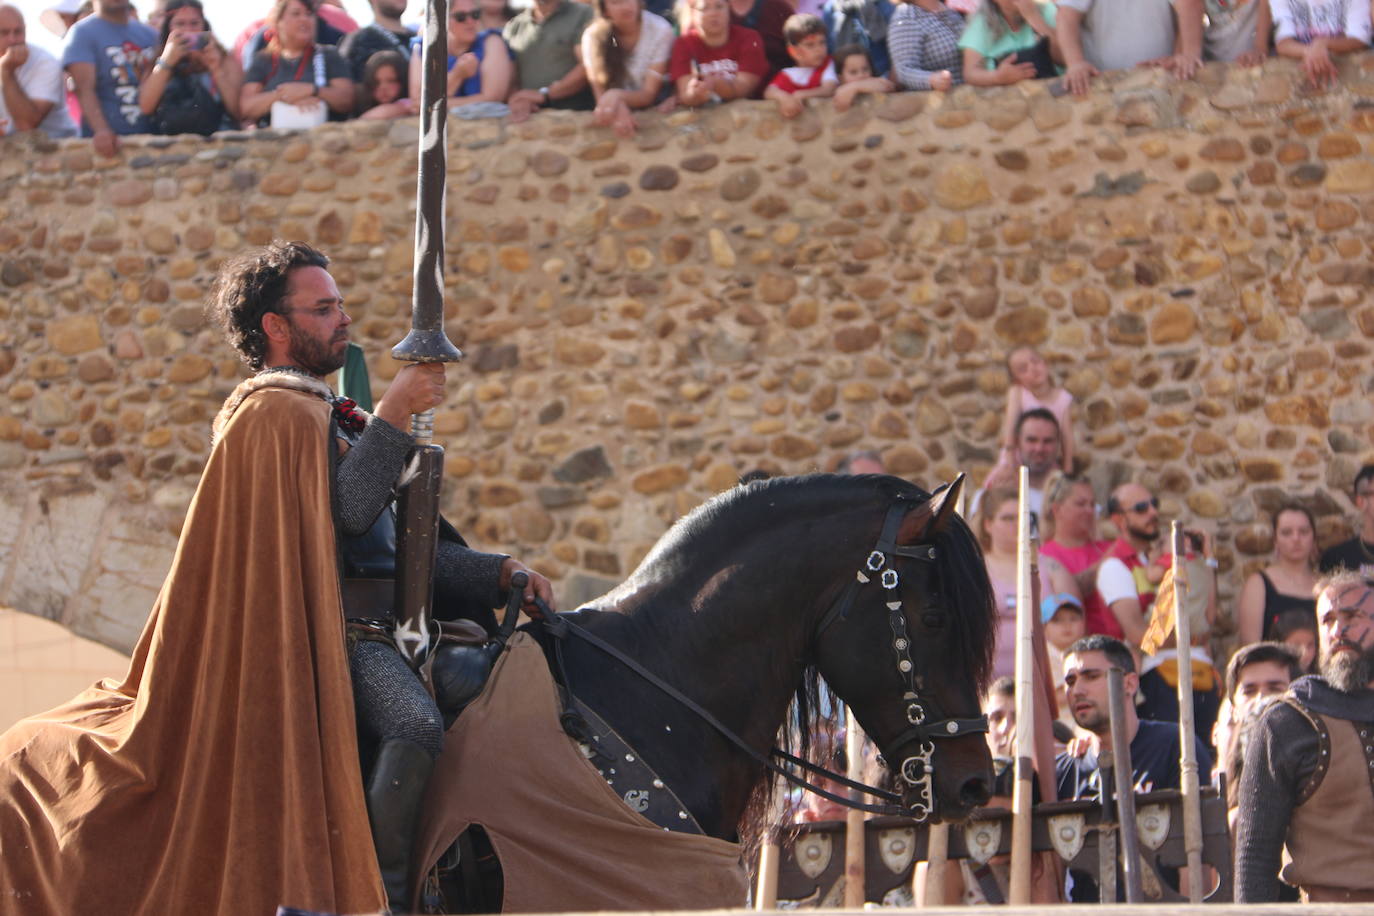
(222, 775)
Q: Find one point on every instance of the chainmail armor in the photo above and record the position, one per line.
(389, 699)
(1281, 757)
(366, 481)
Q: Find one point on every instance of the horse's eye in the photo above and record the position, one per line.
(933, 620)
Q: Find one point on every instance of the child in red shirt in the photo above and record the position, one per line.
(814, 76)
(715, 61)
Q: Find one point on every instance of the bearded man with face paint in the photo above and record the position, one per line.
(1308, 782)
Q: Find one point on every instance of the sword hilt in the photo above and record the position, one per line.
(422, 427)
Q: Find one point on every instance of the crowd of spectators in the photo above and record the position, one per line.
(307, 61)
(1272, 730)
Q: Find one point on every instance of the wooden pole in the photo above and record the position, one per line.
(1125, 787)
(854, 818)
(1192, 801)
(1025, 704)
(766, 894)
(937, 840)
(770, 855)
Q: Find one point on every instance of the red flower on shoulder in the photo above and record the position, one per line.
(350, 419)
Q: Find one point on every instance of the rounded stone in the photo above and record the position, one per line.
(775, 288)
(740, 185)
(1223, 149)
(1013, 160)
(790, 447)
(1028, 325)
(76, 334)
(1335, 214)
(701, 162)
(1310, 174)
(1255, 540)
(129, 193)
(658, 178)
(1091, 302)
(1351, 176)
(961, 186)
(659, 479)
(1173, 323)
(1205, 182)
(641, 415)
(1159, 447)
(549, 163)
(1338, 146)
(1206, 442)
(856, 339)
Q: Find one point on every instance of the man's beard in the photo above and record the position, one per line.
(1142, 534)
(311, 354)
(1095, 721)
(1348, 671)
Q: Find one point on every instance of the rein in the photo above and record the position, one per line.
(925, 720)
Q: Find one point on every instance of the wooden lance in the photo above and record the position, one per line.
(417, 507)
(1020, 882)
(854, 860)
(1187, 764)
(1124, 788)
(937, 839)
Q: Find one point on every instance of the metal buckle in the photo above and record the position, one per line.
(876, 560)
(889, 579)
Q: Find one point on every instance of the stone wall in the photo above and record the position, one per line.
(644, 319)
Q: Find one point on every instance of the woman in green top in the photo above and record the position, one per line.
(1007, 41)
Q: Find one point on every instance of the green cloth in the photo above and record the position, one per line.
(546, 51)
(978, 37)
(353, 380)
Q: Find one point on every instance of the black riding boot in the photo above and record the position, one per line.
(394, 794)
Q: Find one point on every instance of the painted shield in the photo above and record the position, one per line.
(812, 852)
(1067, 832)
(897, 847)
(982, 839)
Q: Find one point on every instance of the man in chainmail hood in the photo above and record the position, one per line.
(1308, 780)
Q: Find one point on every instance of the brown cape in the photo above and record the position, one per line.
(567, 842)
(221, 776)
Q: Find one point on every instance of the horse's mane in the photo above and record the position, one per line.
(960, 569)
(960, 565)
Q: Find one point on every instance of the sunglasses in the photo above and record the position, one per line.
(1151, 503)
(464, 17)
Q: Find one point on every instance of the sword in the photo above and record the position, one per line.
(417, 507)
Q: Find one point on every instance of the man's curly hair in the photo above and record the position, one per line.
(251, 285)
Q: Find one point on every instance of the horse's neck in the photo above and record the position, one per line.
(734, 642)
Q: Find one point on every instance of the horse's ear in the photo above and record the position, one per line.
(932, 516)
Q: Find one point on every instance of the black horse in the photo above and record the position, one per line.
(868, 582)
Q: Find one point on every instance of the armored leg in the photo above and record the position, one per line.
(395, 711)
(394, 794)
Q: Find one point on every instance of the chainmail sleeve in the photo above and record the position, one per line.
(1280, 758)
(467, 583)
(367, 474)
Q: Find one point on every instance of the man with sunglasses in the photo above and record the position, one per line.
(1308, 780)
(1358, 552)
(1128, 580)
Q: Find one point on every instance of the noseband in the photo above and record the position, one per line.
(925, 721)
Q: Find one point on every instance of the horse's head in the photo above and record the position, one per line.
(908, 646)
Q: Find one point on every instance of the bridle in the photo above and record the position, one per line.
(926, 722)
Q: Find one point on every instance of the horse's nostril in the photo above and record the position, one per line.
(974, 793)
